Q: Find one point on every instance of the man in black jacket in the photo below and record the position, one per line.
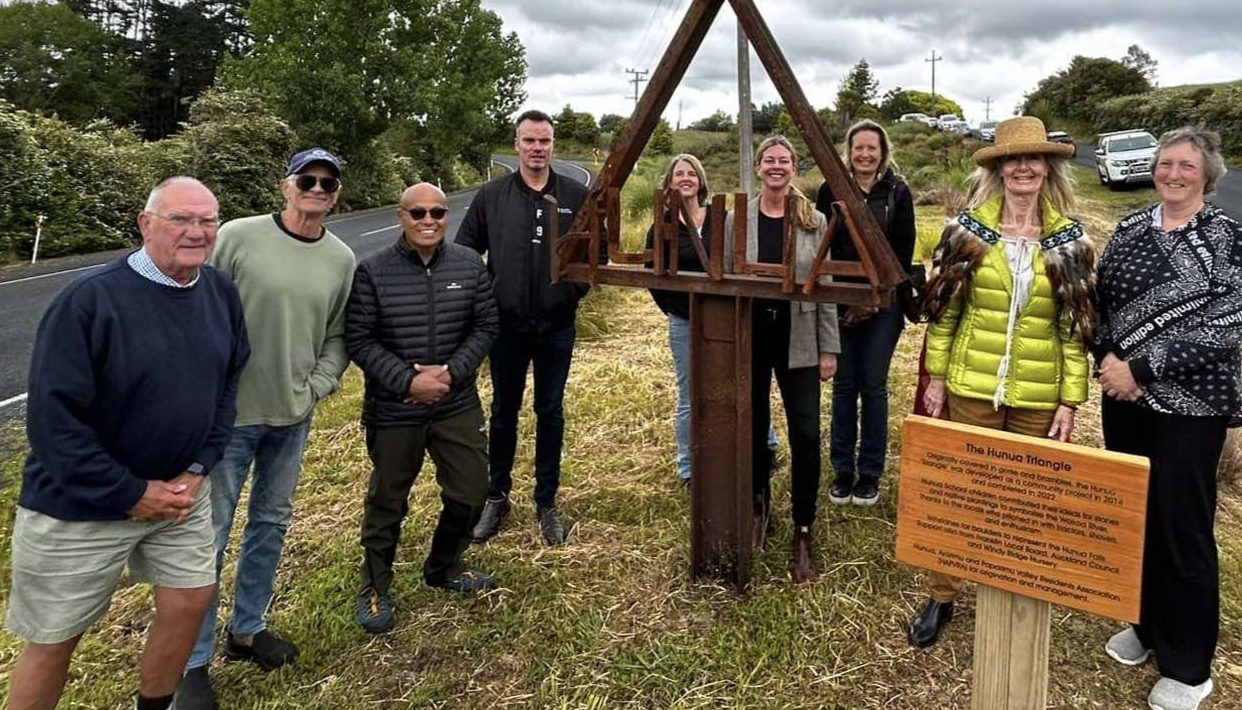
(421, 318)
(508, 221)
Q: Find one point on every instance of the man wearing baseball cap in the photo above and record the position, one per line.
(294, 278)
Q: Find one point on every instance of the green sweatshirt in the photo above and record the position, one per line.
(294, 294)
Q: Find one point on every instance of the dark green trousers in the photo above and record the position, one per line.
(458, 447)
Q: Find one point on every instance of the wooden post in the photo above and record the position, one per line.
(1011, 651)
(721, 492)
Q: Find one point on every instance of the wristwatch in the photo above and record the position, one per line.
(197, 469)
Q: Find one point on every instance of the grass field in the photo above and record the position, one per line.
(610, 620)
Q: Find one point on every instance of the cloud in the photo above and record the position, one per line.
(578, 51)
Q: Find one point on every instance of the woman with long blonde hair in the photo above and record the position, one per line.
(795, 340)
(1011, 304)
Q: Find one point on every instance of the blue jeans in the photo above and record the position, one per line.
(511, 355)
(862, 373)
(679, 344)
(276, 452)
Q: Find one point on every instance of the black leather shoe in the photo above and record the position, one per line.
(551, 526)
(925, 628)
(267, 650)
(494, 512)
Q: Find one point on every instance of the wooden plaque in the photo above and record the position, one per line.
(1058, 522)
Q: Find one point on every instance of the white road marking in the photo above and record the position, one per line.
(584, 171)
(13, 400)
(54, 273)
(381, 229)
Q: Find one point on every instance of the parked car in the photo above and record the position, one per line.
(1062, 137)
(947, 121)
(1124, 157)
(987, 130)
(917, 118)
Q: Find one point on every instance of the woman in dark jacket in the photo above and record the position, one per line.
(868, 336)
(685, 174)
(1170, 304)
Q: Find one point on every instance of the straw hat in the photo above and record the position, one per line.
(1021, 135)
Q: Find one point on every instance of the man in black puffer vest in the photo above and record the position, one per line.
(421, 318)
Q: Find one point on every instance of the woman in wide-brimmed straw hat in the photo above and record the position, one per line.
(1010, 300)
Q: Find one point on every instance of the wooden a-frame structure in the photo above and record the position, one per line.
(722, 500)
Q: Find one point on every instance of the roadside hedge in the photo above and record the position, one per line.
(90, 181)
(1217, 107)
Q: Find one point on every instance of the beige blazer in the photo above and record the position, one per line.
(812, 326)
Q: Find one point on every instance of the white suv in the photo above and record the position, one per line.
(1124, 157)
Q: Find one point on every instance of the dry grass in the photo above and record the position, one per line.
(611, 620)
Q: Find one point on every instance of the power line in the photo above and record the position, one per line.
(642, 40)
(663, 38)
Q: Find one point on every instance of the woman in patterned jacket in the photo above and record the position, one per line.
(1170, 301)
(1011, 302)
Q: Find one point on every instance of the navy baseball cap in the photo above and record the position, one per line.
(313, 155)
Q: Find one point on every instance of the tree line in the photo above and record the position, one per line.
(401, 89)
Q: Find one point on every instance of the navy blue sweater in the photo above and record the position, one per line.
(130, 381)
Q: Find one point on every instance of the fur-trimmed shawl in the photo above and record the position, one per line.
(1069, 262)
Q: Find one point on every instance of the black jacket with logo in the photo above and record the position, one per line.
(403, 312)
(508, 222)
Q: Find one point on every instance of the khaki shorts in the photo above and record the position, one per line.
(64, 572)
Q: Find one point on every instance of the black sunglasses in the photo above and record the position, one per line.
(437, 213)
(306, 183)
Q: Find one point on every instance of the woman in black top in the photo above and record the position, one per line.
(685, 174)
(794, 340)
(1170, 311)
(868, 336)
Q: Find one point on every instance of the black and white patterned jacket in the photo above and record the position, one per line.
(1170, 304)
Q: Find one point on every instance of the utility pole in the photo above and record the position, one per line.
(639, 77)
(680, 104)
(987, 109)
(933, 61)
(745, 127)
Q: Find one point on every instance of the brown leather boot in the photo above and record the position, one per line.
(802, 566)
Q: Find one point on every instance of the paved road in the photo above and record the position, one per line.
(1228, 191)
(26, 291)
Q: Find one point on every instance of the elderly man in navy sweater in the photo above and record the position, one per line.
(133, 383)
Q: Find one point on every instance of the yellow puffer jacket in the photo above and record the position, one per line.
(965, 346)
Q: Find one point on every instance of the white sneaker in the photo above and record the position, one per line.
(1125, 648)
(1169, 694)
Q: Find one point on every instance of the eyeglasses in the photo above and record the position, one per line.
(437, 213)
(185, 221)
(328, 184)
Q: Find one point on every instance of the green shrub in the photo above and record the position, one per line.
(83, 180)
(372, 177)
(1217, 107)
(238, 148)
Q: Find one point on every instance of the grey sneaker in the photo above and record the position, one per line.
(1169, 694)
(1125, 648)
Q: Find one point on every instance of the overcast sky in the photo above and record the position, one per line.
(578, 50)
